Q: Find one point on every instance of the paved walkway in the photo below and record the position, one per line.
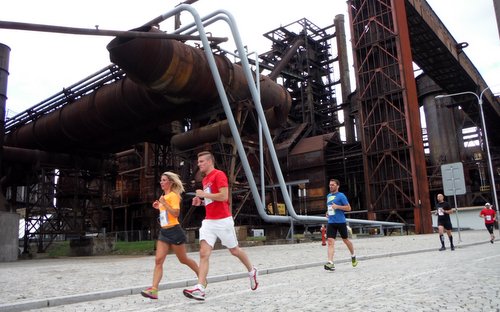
(35, 284)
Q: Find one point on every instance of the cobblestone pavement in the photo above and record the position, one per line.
(394, 273)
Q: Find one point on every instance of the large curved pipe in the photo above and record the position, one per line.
(182, 74)
(260, 209)
(101, 120)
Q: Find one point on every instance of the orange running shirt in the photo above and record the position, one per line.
(166, 219)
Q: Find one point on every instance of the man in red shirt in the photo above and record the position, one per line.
(218, 223)
(489, 216)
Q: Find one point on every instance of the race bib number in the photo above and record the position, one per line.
(331, 211)
(440, 211)
(208, 190)
(488, 218)
(163, 218)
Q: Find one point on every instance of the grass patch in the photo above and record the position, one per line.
(62, 249)
(58, 249)
(134, 248)
(256, 238)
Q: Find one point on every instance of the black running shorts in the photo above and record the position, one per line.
(174, 235)
(489, 227)
(333, 228)
(446, 223)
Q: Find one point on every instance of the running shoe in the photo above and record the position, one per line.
(442, 248)
(329, 266)
(452, 248)
(491, 241)
(197, 292)
(354, 261)
(151, 293)
(252, 275)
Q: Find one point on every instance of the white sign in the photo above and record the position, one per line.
(453, 179)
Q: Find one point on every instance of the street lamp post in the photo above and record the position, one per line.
(490, 164)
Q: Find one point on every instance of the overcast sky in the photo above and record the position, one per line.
(42, 64)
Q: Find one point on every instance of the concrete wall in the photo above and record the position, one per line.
(9, 236)
(468, 218)
(91, 246)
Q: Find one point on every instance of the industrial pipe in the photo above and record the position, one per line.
(4, 74)
(181, 72)
(100, 121)
(291, 52)
(98, 32)
(201, 135)
(213, 132)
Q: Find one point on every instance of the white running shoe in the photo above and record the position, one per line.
(252, 275)
(197, 292)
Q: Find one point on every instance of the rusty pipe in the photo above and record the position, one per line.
(96, 121)
(4, 75)
(291, 52)
(213, 132)
(201, 135)
(182, 74)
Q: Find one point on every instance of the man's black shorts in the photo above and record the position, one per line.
(333, 228)
(446, 223)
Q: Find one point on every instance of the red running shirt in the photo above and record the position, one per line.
(489, 215)
(212, 183)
